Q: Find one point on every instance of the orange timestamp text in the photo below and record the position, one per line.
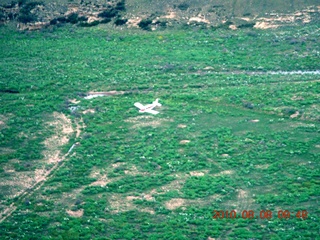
(263, 214)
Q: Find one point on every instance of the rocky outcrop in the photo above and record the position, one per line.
(158, 14)
(37, 14)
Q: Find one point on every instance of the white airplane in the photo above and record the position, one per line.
(148, 108)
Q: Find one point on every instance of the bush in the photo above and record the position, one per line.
(120, 21)
(288, 111)
(25, 18)
(145, 24)
(21, 2)
(73, 18)
(29, 6)
(108, 13)
(183, 6)
(62, 19)
(2, 16)
(248, 105)
(106, 20)
(252, 34)
(246, 25)
(121, 6)
(53, 21)
(82, 18)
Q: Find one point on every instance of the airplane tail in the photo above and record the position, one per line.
(156, 102)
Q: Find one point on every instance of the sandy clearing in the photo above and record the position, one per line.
(77, 214)
(175, 203)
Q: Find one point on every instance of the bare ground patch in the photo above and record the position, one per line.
(174, 203)
(262, 166)
(4, 150)
(133, 170)
(295, 115)
(198, 19)
(63, 129)
(311, 113)
(90, 110)
(23, 184)
(79, 126)
(133, 22)
(225, 172)
(102, 176)
(146, 121)
(171, 14)
(68, 199)
(3, 120)
(77, 214)
(198, 173)
(297, 98)
(174, 185)
(74, 101)
(276, 20)
(102, 181)
(17, 183)
(118, 203)
(244, 201)
(184, 141)
(265, 25)
(101, 94)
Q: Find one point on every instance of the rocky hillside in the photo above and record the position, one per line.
(33, 15)
(159, 14)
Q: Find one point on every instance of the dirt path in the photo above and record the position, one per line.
(59, 162)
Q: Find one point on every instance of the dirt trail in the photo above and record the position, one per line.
(63, 128)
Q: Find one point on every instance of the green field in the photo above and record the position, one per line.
(229, 136)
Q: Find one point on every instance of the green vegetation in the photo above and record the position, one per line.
(135, 176)
(26, 15)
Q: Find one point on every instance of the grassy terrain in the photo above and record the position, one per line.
(224, 139)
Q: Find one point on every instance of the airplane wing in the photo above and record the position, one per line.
(139, 105)
(151, 111)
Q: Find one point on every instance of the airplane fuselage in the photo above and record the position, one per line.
(147, 107)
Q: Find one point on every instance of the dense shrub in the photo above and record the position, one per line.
(106, 20)
(25, 18)
(246, 25)
(82, 18)
(62, 19)
(25, 14)
(121, 6)
(183, 6)
(53, 21)
(120, 21)
(248, 105)
(289, 111)
(73, 18)
(110, 13)
(145, 24)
